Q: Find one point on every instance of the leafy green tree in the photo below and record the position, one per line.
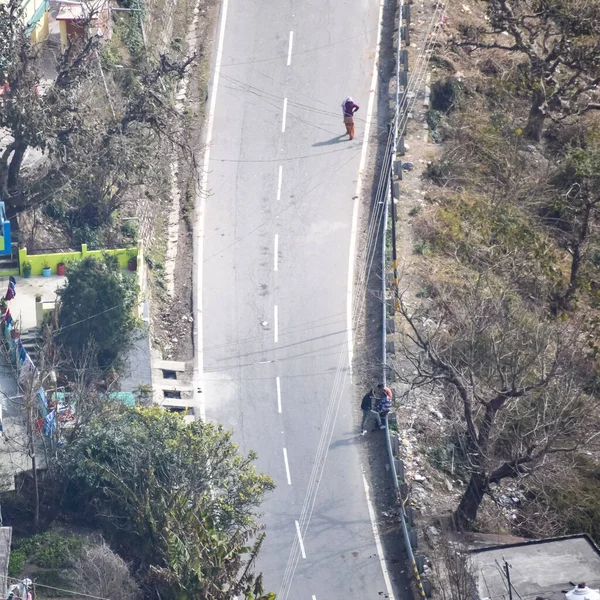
(34, 118)
(176, 497)
(97, 306)
(102, 132)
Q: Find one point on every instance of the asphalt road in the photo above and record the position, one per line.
(276, 231)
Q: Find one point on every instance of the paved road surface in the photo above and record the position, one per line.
(277, 235)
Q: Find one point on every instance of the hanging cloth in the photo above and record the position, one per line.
(50, 424)
(11, 292)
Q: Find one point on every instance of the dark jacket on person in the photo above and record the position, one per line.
(366, 403)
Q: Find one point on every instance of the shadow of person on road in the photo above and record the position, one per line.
(334, 140)
(349, 441)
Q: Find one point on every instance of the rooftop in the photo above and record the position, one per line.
(537, 568)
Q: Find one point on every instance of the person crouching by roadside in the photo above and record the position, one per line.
(367, 409)
(384, 401)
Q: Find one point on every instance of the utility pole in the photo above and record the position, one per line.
(30, 408)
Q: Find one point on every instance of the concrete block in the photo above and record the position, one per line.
(406, 13)
(414, 539)
(406, 35)
(396, 190)
(390, 348)
(427, 587)
(403, 81)
(390, 326)
(404, 59)
(397, 166)
(408, 515)
(420, 560)
(391, 307)
(400, 470)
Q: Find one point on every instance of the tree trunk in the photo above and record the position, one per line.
(14, 172)
(572, 287)
(471, 500)
(537, 116)
(576, 259)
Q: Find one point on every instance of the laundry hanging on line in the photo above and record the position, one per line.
(11, 292)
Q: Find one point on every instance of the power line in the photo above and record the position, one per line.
(49, 587)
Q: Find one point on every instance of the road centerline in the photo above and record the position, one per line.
(284, 115)
(300, 541)
(287, 467)
(279, 181)
(278, 385)
(289, 60)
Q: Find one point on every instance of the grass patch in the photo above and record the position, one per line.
(422, 248)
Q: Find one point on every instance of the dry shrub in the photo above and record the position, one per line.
(453, 571)
(105, 574)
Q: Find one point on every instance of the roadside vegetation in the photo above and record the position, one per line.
(133, 502)
(175, 501)
(101, 119)
(505, 322)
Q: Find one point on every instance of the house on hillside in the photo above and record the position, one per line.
(564, 568)
(72, 15)
(35, 14)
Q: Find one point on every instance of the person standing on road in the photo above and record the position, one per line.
(367, 410)
(384, 402)
(348, 109)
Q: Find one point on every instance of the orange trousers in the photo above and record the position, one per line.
(349, 123)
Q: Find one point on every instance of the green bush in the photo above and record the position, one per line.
(49, 550)
(16, 562)
(446, 94)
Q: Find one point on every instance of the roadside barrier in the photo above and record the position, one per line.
(388, 194)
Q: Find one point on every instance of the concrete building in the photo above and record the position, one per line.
(539, 569)
(35, 15)
(5, 541)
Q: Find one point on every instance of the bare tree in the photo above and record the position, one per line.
(102, 136)
(517, 380)
(561, 43)
(574, 213)
(102, 573)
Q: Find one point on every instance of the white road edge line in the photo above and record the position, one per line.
(289, 61)
(351, 267)
(280, 179)
(386, 575)
(287, 467)
(300, 540)
(284, 115)
(278, 384)
(275, 324)
(356, 204)
(275, 251)
(199, 224)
